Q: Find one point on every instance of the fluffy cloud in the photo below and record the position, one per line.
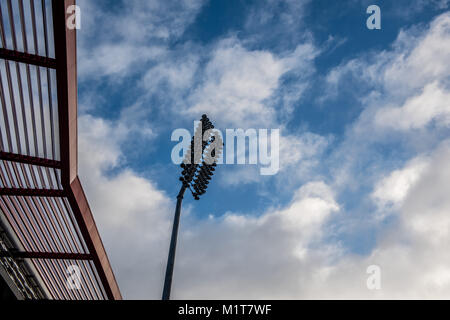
(431, 105)
(116, 42)
(412, 254)
(391, 191)
(239, 82)
(417, 59)
(300, 148)
(238, 256)
(298, 159)
(403, 94)
(426, 207)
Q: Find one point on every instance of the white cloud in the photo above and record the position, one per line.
(295, 149)
(120, 42)
(426, 208)
(421, 60)
(390, 192)
(412, 254)
(176, 75)
(240, 256)
(431, 105)
(417, 59)
(403, 94)
(298, 158)
(238, 83)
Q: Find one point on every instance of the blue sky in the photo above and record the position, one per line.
(364, 121)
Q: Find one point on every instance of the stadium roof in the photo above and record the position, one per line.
(45, 221)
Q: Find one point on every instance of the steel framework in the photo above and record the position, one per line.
(45, 219)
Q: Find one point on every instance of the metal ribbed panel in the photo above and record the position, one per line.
(49, 222)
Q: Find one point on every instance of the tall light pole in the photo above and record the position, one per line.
(198, 167)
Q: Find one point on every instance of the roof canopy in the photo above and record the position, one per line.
(46, 222)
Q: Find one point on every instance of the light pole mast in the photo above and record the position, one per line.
(173, 246)
(198, 167)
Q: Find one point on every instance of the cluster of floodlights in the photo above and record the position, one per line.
(198, 166)
(195, 175)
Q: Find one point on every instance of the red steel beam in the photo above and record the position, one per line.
(66, 73)
(27, 58)
(45, 255)
(32, 192)
(8, 156)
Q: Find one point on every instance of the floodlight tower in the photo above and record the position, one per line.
(198, 168)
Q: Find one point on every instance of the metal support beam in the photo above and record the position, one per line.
(173, 246)
(30, 160)
(45, 255)
(32, 192)
(27, 58)
(66, 75)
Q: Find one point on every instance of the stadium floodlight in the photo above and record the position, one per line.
(198, 166)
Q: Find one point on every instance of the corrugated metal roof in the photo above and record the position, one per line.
(43, 208)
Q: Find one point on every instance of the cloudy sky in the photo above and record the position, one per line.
(364, 119)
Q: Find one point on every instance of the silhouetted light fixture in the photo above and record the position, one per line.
(198, 168)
